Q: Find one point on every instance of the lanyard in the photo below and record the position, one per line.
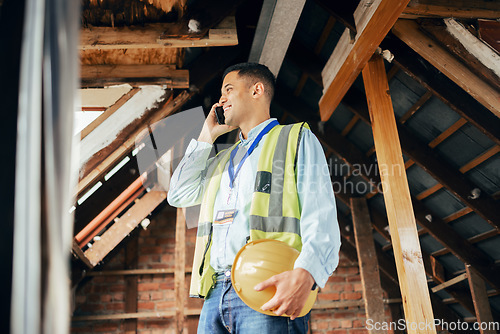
(230, 169)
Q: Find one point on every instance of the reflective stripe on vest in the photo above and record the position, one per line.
(274, 211)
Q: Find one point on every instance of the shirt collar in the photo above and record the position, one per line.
(254, 132)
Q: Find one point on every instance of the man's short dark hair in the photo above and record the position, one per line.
(256, 73)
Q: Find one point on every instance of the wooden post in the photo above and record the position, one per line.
(416, 300)
(180, 268)
(480, 299)
(368, 265)
(131, 292)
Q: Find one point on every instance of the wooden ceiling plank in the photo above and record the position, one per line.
(354, 157)
(350, 125)
(452, 8)
(480, 299)
(367, 260)
(404, 236)
(125, 224)
(408, 31)
(148, 37)
(414, 108)
(489, 31)
(107, 75)
(373, 20)
(274, 32)
(342, 11)
(426, 193)
(106, 163)
(480, 159)
(460, 213)
(448, 132)
(109, 111)
(445, 89)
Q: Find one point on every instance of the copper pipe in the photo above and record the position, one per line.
(110, 209)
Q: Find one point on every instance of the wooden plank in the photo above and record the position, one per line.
(447, 133)
(125, 146)
(480, 299)
(147, 37)
(428, 192)
(449, 283)
(443, 88)
(458, 214)
(368, 265)
(107, 75)
(489, 31)
(415, 107)
(131, 290)
(459, 41)
(79, 253)
(179, 275)
(109, 111)
(138, 315)
(452, 8)
(350, 125)
(125, 224)
(407, 252)
(408, 31)
(480, 159)
(373, 20)
(274, 32)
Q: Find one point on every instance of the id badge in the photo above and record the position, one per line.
(225, 217)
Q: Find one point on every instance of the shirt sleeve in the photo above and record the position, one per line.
(318, 224)
(187, 182)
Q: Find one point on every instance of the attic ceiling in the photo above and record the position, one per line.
(449, 127)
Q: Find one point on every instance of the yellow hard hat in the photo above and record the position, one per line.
(256, 262)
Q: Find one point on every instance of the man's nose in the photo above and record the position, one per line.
(222, 100)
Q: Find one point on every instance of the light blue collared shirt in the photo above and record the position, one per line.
(318, 223)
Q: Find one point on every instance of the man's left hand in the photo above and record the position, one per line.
(292, 289)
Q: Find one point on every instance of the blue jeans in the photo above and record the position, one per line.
(224, 312)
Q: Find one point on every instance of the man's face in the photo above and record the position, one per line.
(236, 97)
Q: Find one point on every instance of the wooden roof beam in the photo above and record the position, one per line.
(485, 9)
(135, 75)
(274, 32)
(408, 31)
(373, 20)
(148, 36)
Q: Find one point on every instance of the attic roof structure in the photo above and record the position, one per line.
(146, 63)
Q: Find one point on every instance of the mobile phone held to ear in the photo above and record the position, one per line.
(219, 114)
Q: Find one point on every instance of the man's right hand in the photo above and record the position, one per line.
(211, 129)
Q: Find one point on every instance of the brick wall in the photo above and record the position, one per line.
(103, 295)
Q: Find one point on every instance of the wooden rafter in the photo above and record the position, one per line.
(408, 31)
(124, 147)
(445, 89)
(107, 75)
(148, 36)
(373, 20)
(480, 298)
(274, 32)
(452, 8)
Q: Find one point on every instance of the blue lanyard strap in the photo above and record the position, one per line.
(230, 169)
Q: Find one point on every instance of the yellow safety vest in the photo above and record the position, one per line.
(274, 211)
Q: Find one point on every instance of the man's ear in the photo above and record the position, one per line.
(258, 90)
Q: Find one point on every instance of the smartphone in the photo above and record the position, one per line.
(219, 114)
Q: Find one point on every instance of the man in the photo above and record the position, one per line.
(270, 164)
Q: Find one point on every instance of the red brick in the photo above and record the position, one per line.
(145, 306)
(360, 323)
(337, 331)
(351, 295)
(329, 296)
(115, 306)
(163, 306)
(105, 298)
(118, 296)
(117, 288)
(148, 287)
(344, 315)
(156, 295)
(356, 278)
(358, 331)
(106, 327)
(346, 323)
(336, 279)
